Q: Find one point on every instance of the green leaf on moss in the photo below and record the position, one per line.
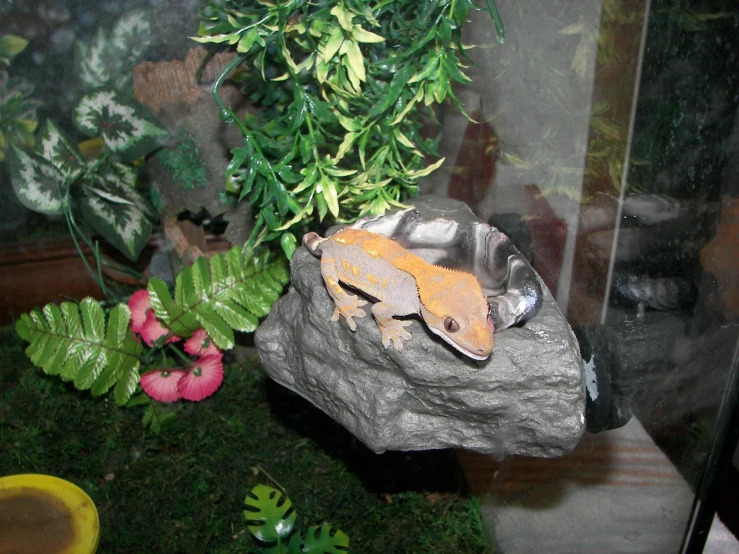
(269, 514)
(76, 343)
(323, 539)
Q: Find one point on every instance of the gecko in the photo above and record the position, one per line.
(450, 302)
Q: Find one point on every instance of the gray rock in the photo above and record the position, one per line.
(527, 399)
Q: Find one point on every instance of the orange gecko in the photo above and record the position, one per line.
(450, 302)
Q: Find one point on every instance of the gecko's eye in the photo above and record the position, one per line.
(450, 325)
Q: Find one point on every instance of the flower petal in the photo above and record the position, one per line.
(161, 384)
(203, 379)
(140, 307)
(199, 344)
(153, 329)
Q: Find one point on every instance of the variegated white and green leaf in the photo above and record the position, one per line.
(124, 176)
(119, 174)
(118, 218)
(127, 127)
(59, 149)
(111, 55)
(131, 34)
(96, 63)
(36, 181)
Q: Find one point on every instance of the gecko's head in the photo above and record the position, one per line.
(460, 316)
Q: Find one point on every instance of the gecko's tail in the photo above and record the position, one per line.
(312, 240)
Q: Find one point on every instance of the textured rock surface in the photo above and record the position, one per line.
(526, 399)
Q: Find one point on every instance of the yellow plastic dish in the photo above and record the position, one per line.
(41, 513)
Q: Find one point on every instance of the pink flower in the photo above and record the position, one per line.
(153, 329)
(143, 320)
(199, 344)
(161, 384)
(204, 377)
(140, 308)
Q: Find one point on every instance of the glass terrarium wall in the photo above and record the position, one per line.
(604, 142)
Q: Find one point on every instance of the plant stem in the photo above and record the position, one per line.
(187, 361)
(227, 113)
(74, 230)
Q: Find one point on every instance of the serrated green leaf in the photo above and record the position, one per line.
(36, 181)
(129, 379)
(236, 317)
(93, 319)
(76, 343)
(218, 330)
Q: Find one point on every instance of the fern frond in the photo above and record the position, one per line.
(231, 291)
(74, 342)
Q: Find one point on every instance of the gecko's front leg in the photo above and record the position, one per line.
(347, 305)
(392, 329)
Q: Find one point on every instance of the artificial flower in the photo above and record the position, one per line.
(153, 329)
(140, 308)
(161, 384)
(203, 378)
(200, 344)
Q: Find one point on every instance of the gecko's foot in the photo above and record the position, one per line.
(350, 308)
(393, 330)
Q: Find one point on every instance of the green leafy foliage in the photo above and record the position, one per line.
(185, 163)
(126, 126)
(230, 291)
(10, 46)
(56, 177)
(18, 119)
(269, 514)
(341, 86)
(270, 518)
(111, 55)
(319, 539)
(77, 343)
(36, 181)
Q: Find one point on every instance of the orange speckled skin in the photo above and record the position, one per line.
(403, 284)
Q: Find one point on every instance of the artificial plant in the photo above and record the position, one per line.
(109, 59)
(79, 343)
(270, 518)
(97, 185)
(55, 178)
(341, 85)
(18, 118)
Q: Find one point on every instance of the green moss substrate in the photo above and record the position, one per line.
(183, 491)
